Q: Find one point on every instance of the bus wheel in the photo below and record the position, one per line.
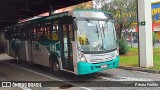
(17, 55)
(55, 67)
(17, 58)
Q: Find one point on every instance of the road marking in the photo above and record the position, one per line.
(25, 88)
(132, 79)
(46, 75)
(121, 78)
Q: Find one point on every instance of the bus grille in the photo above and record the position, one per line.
(101, 58)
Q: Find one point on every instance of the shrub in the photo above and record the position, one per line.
(123, 46)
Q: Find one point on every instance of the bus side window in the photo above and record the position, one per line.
(40, 33)
(34, 33)
(35, 36)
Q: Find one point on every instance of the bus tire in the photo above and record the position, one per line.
(17, 58)
(54, 66)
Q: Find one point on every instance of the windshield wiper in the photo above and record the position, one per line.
(93, 27)
(97, 31)
(103, 31)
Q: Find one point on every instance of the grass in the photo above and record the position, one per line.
(131, 58)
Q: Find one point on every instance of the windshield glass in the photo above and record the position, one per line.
(96, 35)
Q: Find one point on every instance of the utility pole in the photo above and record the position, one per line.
(145, 33)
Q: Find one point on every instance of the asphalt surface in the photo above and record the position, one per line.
(10, 70)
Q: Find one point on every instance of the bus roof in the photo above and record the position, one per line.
(93, 10)
(90, 13)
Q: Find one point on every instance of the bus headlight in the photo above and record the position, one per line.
(82, 57)
(117, 52)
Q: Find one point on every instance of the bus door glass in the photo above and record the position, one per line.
(66, 46)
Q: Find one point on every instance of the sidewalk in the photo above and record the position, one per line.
(4, 56)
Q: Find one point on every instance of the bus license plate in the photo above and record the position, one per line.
(104, 66)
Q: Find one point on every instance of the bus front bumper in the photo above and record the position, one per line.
(87, 68)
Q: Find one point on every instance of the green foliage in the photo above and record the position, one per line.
(131, 59)
(154, 38)
(124, 13)
(86, 5)
(123, 46)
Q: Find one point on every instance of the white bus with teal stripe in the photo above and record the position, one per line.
(78, 41)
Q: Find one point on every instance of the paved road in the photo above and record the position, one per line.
(13, 71)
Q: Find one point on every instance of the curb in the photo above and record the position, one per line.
(139, 69)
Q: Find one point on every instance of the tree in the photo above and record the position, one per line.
(124, 13)
(86, 5)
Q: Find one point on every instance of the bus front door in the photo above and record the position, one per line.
(66, 31)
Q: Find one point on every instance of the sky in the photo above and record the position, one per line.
(155, 0)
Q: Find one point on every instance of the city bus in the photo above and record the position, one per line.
(78, 41)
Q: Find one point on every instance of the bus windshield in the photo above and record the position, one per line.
(94, 35)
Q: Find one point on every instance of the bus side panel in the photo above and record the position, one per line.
(12, 48)
(27, 50)
(41, 54)
(6, 46)
(30, 53)
(23, 50)
(75, 56)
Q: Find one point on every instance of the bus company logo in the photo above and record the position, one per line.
(6, 84)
